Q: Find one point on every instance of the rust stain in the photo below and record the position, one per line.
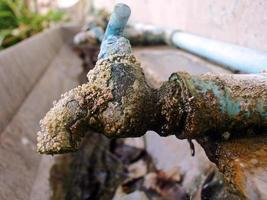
(244, 164)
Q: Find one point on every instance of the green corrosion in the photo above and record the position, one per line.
(236, 94)
(219, 103)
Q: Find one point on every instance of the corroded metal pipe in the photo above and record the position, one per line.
(213, 104)
(243, 163)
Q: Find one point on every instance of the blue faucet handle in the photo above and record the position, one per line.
(118, 20)
(113, 42)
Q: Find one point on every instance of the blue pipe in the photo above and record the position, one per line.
(113, 42)
(231, 56)
(234, 57)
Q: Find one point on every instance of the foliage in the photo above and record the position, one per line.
(18, 21)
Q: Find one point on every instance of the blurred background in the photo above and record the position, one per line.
(241, 22)
(39, 62)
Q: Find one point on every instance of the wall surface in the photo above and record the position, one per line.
(242, 22)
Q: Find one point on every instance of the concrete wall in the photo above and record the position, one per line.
(242, 22)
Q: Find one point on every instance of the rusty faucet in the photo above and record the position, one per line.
(117, 101)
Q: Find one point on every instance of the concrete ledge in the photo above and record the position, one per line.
(32, 74)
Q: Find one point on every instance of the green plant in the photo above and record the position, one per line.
(18, 21)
